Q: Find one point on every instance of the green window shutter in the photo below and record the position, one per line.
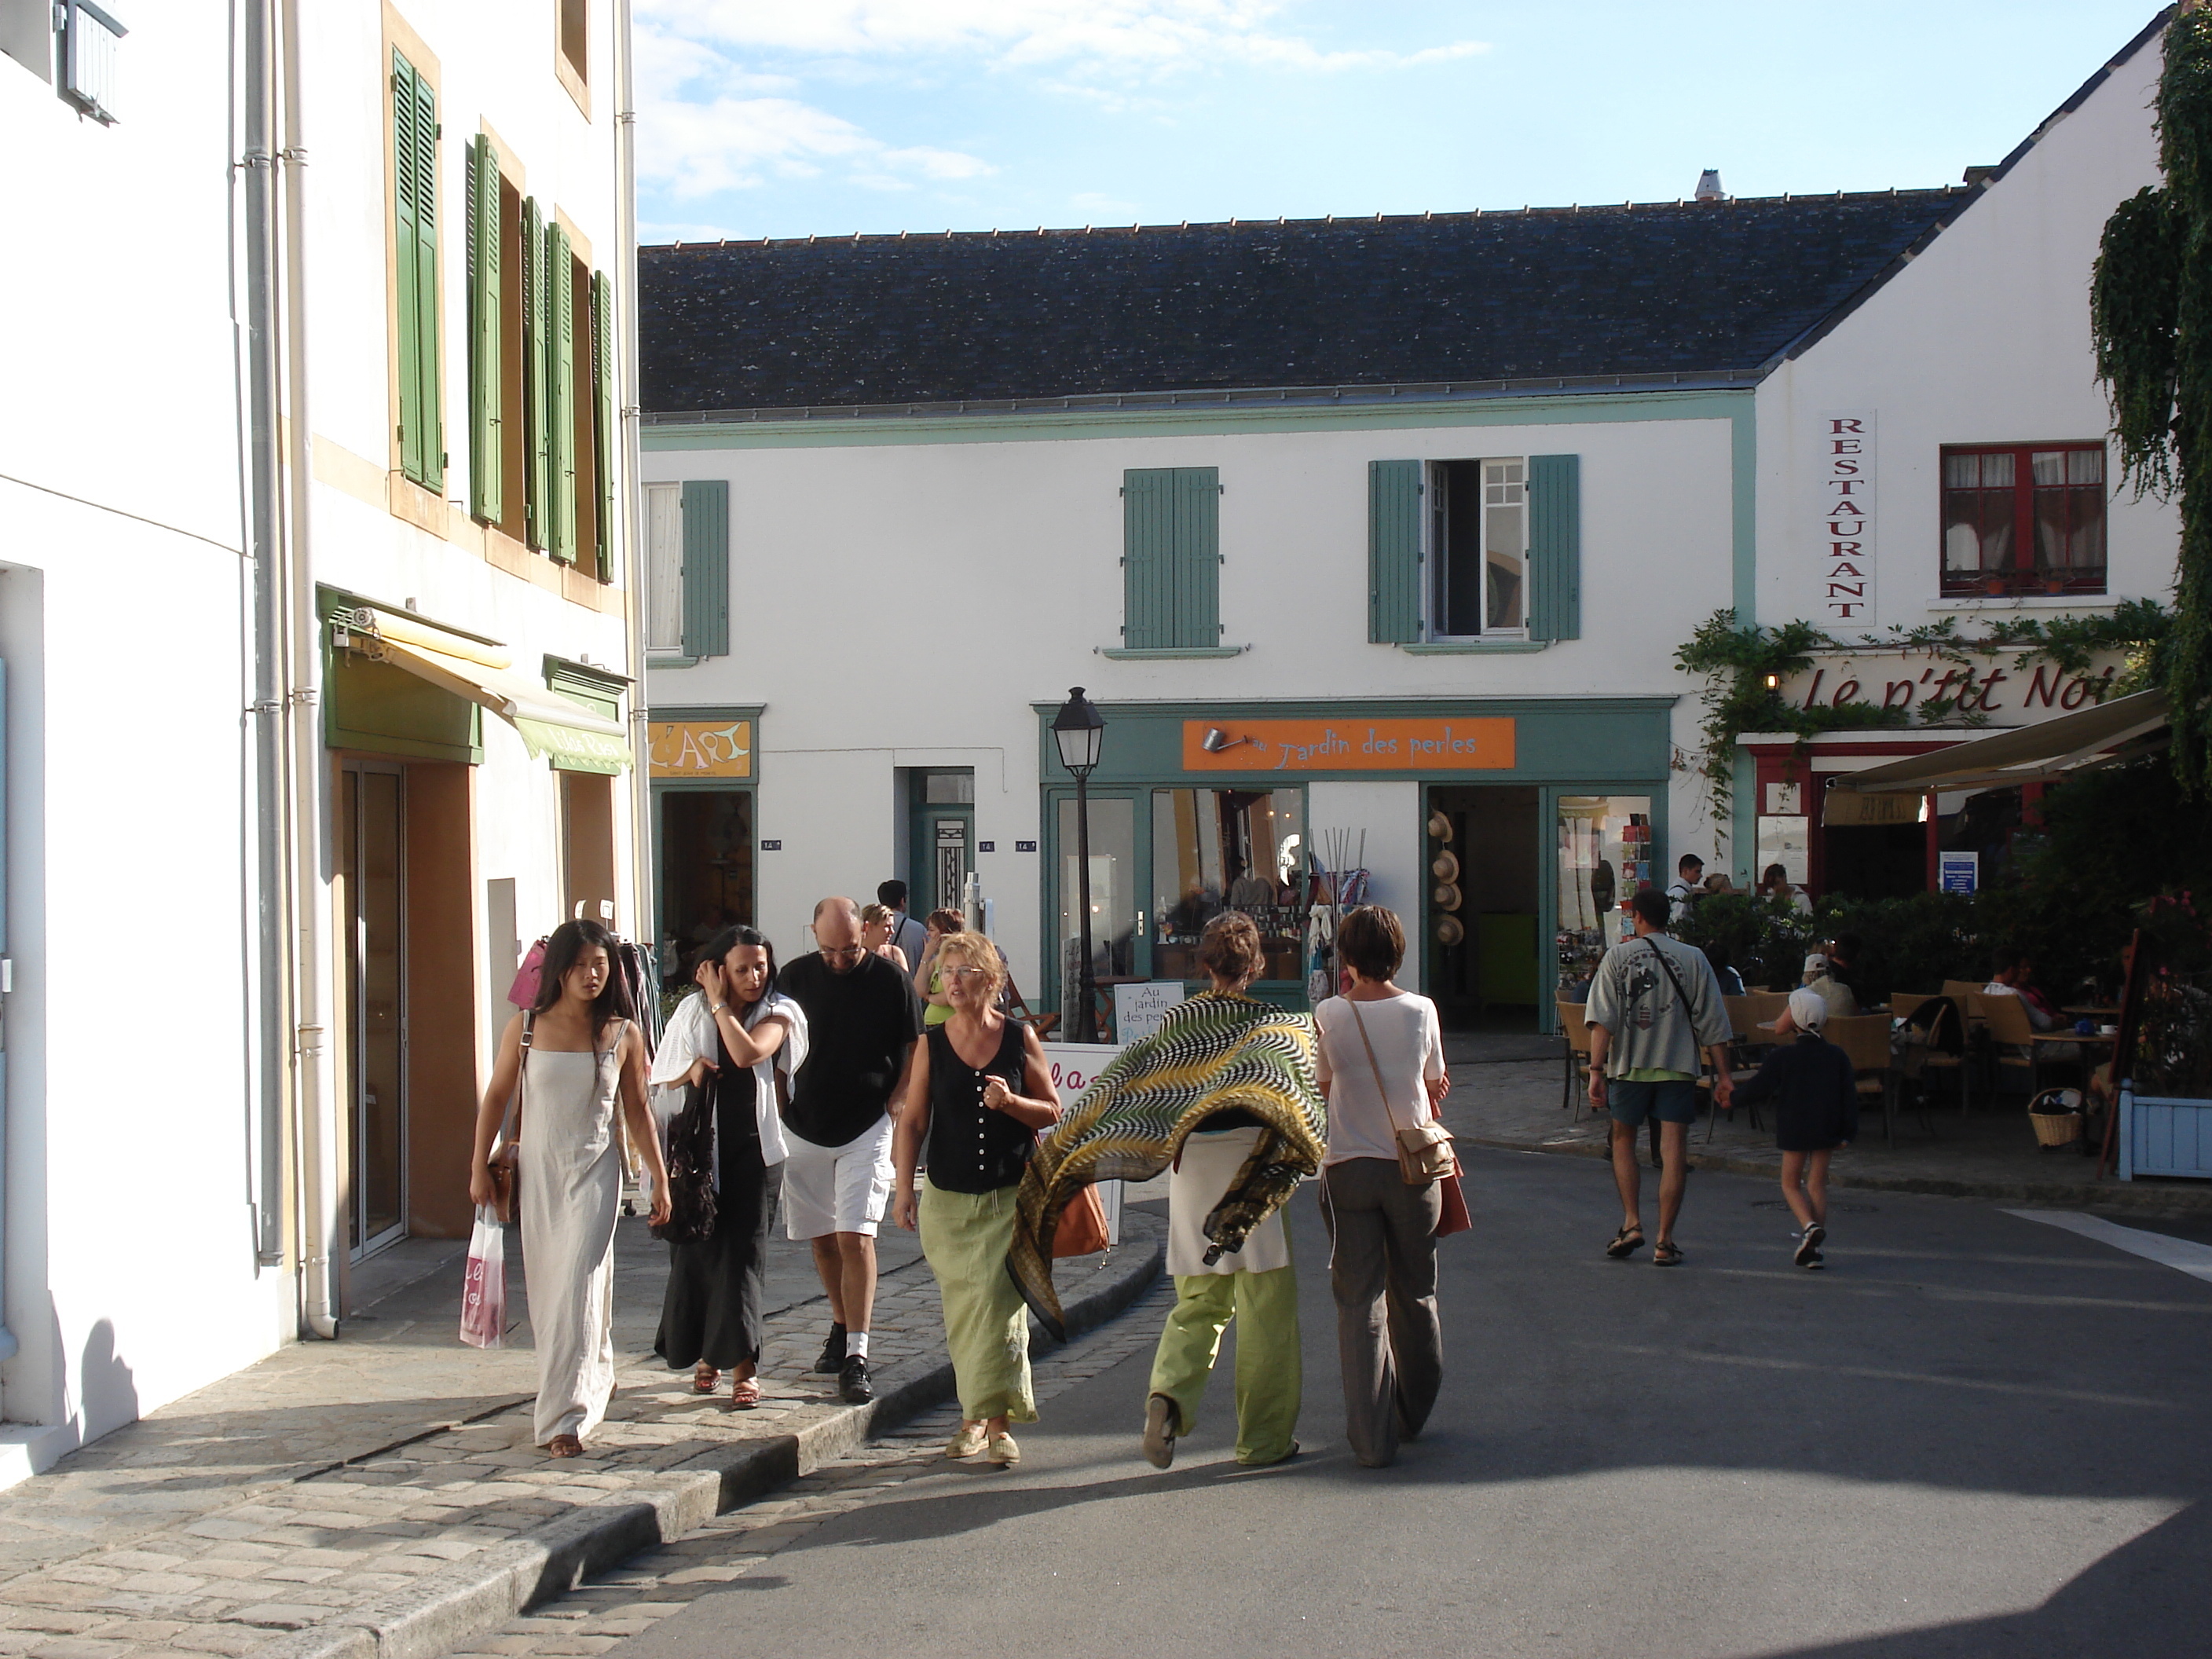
(425, 438)
(485, 500)
(407, 266)
(1170, 557)
(706, 569)
(603, 408)
(536, 373)
(1394, 552)
(1555, 547)
(560, 284)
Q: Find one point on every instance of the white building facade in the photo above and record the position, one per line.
(338, 430)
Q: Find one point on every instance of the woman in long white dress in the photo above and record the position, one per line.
(575, 1055)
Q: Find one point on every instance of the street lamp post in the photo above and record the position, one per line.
(1080, 731)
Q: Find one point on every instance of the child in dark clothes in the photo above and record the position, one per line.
(1815, 1098)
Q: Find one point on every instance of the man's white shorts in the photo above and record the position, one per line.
(837, 1189)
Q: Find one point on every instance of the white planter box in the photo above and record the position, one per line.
(2163, 1136)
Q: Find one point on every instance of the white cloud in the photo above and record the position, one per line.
(1094, 36)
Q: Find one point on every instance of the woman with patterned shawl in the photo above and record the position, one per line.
(1223, 1094)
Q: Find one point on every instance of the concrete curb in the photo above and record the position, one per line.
(449, 1608)
(2119, 1195)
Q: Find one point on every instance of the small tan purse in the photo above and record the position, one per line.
(507, 1151)
(1424, 1149)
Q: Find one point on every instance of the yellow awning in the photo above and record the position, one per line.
(2033, 754)
(550, 723)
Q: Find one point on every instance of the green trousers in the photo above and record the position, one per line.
(966, 1236)
(1269, 1381)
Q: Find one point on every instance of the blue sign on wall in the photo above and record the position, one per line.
(1958, 873)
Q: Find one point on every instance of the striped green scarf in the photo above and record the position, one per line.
(1212, 1054)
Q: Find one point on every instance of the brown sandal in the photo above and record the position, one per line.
(705, 1379)
(564, 1445)
(744, 1394)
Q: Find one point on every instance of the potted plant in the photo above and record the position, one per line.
(1994, 582)
(2166, 1085)
(2054, 581)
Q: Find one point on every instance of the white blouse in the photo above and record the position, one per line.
(691, 1036)
(1409, 1046)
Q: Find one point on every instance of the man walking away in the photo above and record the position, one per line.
(907, 933)
(1687, 889)
(1652, 1006)
(863, 1017)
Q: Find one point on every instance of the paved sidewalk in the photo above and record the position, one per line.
(379, 1496)
(603, 1610)
(1990, 1153)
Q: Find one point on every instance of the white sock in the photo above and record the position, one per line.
(856, 1344)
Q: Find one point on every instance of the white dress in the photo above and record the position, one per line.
(571, 1178)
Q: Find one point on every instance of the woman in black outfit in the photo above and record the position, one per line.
(979, 1091)
(737, 1038)
(1815, 1097)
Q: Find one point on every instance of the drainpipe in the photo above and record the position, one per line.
(265, 1181)
(646, 926)
(306, 798)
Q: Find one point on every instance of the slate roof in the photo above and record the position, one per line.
(1708, 292)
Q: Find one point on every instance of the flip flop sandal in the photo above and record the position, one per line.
(564, 1445)
(705, 1380)
(744, 1396)
(1668, 1254)
(1626, 1243)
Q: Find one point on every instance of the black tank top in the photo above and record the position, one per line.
(973, 1149)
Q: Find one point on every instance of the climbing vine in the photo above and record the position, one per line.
(2150, 314)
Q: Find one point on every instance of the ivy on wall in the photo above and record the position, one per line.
(2150, 315)
(1745, 668)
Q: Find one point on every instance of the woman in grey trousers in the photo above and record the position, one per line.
(1381, 1059)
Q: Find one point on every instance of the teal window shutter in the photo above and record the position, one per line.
(1171, 557)
(603, 416)
(1555, 547)
(1394, 552)
(485, 495)
(706, 569)
(537, 375)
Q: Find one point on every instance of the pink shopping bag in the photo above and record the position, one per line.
(483, 1291)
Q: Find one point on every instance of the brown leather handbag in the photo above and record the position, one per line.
(507, 1153)
(1424, 1149)
(1082, 1228)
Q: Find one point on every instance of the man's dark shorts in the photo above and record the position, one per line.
(1674, 1101)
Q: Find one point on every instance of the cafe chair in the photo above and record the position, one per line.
(2013, 1037)
(1575, 1027)
(1864, 1039)
(1935, 1044)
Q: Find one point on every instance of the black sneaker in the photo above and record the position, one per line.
(833, 1353)
(853, 1384)
(1808, 1245)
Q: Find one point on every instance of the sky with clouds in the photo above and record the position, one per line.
(795, 117)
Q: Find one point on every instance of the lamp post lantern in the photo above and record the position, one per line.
(1080, 731)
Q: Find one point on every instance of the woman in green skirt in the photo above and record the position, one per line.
(979, 1091)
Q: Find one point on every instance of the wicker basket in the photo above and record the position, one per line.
(2055, 1128)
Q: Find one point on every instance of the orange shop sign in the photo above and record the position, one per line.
(701, 749)
(1349, 746)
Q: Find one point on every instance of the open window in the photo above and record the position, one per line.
(1478, 548)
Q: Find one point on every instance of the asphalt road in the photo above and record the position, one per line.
(1973, 1434)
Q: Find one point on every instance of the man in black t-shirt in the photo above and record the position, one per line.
(862, 1019)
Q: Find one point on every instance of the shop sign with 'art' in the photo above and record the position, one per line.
(702, 749)
(1844, 456)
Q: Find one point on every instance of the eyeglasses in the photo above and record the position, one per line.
(962, 973)
(845, 952)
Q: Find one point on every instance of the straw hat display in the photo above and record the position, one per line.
(1448, 931)
(1445, 866)
(1439, 826)
(1447, 896)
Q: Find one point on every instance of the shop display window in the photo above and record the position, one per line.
(706, 869)
(1113, 891)
(1228, 849)
(1606, 853)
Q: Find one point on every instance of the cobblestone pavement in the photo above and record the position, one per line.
(271, 1503)
(624, 1603)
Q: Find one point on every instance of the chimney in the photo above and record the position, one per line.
(1709, 186)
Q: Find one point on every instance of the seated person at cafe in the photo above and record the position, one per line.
(1843, 965)
(2009, 977)
(1724, 970)
(1842, 1004)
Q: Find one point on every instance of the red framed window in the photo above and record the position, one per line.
(2024, 517)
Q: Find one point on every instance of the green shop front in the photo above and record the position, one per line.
(1507, 833)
